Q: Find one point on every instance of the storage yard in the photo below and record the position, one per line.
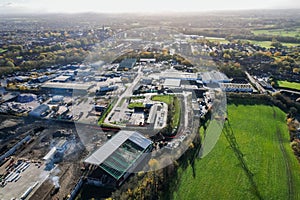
(24, 174)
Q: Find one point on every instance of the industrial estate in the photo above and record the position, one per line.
(140, 113)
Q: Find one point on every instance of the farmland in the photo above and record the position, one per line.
(266, 44)
(216, 39)
(279, 32)
(262, 138)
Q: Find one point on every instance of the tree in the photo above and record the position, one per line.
(153, 164)
(277, 54)
(226, 56)
(276, 44)
(296, 70)
(293, 111)
(10, 64)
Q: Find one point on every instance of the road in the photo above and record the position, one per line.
(186, 111)
(128, 92)
(289, 91)
(256, 83)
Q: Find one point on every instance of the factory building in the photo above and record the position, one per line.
(66, 88)
(127, 64)
(213, 77)
(236, 87)
(26, 98)
(121, 155)
(37, 112)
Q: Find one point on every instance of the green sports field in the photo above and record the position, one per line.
(262, 138)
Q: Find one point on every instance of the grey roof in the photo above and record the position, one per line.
(100, 155)
(73, 86)
(61, 78)
(214, 76)
(172, 82)
(39, 110)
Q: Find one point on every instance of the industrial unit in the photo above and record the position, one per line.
(120, 156)
(66, 88)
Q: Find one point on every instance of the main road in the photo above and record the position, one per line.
(256, 83)
(126, 93)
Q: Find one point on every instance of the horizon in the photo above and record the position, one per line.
(139, 6)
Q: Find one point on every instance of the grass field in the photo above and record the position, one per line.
(216, 39)
(168, 99)
(136, 105)
(262, 137)
(176, 113)
(266, 44)
(278, 32)
(2, 50)
(289, 85)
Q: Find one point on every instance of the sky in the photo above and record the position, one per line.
(117, 6)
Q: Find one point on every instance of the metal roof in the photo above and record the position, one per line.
(72, 86)
(106, 150)
(172, 82)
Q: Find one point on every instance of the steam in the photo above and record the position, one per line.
(54, 178)
(55, 181)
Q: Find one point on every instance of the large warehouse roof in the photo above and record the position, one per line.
(172, 82)
(72, 86)
(118, 154)
(127, 63)
(214, 76)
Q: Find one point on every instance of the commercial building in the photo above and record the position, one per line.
(62, 79)
(8, 96)
(121, 155)
(148, 60)
(25, 98)
(39, 110)
(126, 64)
(66, 88)
(213, 77)
(236, 87)
(172, 83)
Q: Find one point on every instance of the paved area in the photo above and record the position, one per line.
(28, 178)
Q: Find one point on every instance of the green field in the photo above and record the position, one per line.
(278, 32)
(216, 39)
(262, 137)
(266, 44)
(136, 105)
(289, 85)
(168, 99)
(2, 50)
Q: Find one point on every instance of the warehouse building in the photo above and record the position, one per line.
(121, 155)
(66, 88)
(37, 112)
(26, 98)
(236, 87)
(127, 64)
(213, 77)
(62, 79)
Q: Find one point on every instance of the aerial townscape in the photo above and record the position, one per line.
(167, 104)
